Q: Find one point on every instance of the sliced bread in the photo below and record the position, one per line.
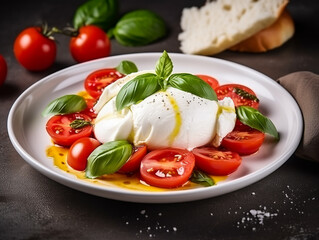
(220, 24)
(269, 38)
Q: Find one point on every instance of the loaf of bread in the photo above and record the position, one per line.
(269, 38)
(221, 24)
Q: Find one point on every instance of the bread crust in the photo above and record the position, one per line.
(196, 39)
(269, 38)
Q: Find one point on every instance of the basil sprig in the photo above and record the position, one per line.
(245, 94)
(64, 105)
(147, 84)
(164, 66)
(102, 13)
(255, 119)
(126, 67)
(202, 178)
(108, 158)
(79, 123)
(139, 27)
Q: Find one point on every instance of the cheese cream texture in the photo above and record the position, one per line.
(171, 118)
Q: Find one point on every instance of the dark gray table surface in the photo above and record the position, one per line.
(33, 206)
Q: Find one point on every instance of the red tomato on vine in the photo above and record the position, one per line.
(35, 49)
(90, 43)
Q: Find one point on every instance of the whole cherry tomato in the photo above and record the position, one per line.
(79, 152)
(34, 49)
(3, 69)
(90, 43)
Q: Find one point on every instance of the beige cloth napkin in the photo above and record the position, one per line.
(304, 87)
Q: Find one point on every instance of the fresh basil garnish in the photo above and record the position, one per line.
(102, 13)
(136, 90)
(139, 27)
(201, 178)
(164, 66)
(79, 123)
(126, 67)
(145, 85)
(192, 84)
(108, 158)
(245, 94)
(64, 105)
(255, 119)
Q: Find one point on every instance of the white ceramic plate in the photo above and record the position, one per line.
(26, 126)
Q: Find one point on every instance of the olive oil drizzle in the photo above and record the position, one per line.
(178, 119)
(125, 181)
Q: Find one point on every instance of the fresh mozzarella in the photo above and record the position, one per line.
(112, 90)
(226, 120)
(174, 119)
(111, 124)
(171, 118)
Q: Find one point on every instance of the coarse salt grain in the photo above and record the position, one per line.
(152, 230)
(261, 215)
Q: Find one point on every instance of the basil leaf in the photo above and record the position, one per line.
(192, 84)
(126, 67)
(202, 178)
(64, 105)
(139, 27)
(164, 66)
(108, 158)
(102, 13)
(79, 123)
(136, 90)
(254, 119)
(246, 95)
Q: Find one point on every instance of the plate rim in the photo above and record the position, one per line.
(143, 196)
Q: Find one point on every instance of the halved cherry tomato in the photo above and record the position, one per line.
(229, 90)
(91, 43)
(213, 82)
(61, 132)
(96, 81)
(167, 168)
(134, 162)
(90, 102)
(215, 161)
(79, 152)
(239, 126)
(34, 50)
(244, 141)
